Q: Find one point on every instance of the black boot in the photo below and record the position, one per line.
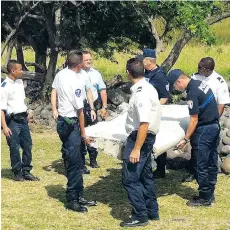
(18, 176)
(197, 201)
(93, 156)
(134, 223)
(86, 170)
(76, 206)
(28, 176)
(83, 201)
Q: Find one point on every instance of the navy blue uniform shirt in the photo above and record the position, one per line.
(157, 79)
(201, 101)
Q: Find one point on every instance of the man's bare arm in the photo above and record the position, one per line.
(7, 132)
(54, 103)
(163, 101)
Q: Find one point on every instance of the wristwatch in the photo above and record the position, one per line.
(104, 107)
(186, 140)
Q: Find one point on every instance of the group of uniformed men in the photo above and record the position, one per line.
(75, 101)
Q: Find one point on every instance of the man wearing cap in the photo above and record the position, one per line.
(219, 87)
(203, 131)
(156, 77)
(142, 125)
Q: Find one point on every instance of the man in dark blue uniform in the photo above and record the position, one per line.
(142, 125)
(203, 132)
(68, 88)
(156, 77)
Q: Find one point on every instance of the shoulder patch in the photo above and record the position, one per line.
(167, 87)
(139, 89)
(3, 84)
(220, 80)
(78, 92)
(190, 104)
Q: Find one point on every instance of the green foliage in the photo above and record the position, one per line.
(189, 16)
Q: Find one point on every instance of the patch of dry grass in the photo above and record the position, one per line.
(40, 205)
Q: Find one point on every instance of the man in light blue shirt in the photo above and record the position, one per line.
(98, 88)
(96, 81)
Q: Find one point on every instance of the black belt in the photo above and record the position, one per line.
(133, 135)
(18, 116)
(68, 120)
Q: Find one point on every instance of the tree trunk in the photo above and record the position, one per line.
(40, 58)
(175, 52)
(20, 56)
(15, 30)
(52, 67)
(9, 51)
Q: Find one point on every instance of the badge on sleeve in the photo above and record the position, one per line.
(3, 84)
(78, 92)
(190, 104)
(167, 87)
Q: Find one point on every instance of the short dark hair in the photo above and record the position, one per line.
(208, 63)
(11, 64)
(135, 67)
(74, 58)
(86, 52)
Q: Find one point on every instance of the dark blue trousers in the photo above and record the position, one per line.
(71, 154)
(138, 180)
(204, 151)
(20, 138)
(88, 122)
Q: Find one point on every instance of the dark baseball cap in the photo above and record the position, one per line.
(173, 76)
(147, 53)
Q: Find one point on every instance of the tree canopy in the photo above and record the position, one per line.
(51, 27)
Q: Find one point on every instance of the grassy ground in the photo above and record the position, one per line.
(187, 61)
(40, 205)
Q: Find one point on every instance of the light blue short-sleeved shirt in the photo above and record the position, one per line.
(96, 81)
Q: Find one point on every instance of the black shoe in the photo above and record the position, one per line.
(76, 206)
(213, 200)
(94, 164)
(188, 178)
(18, 176)
(134, 223)
(83, 201)
(158, 174)
(196, 202)
(85, 170)
(31, 177)
(153, 217)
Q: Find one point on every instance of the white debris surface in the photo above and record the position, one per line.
(110, 136)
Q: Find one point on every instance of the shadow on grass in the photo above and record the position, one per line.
(57, 166)
(7, 174)
(109, 190)
(56, 192)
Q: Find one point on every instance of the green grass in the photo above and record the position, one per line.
(40, 205)
(187, 61)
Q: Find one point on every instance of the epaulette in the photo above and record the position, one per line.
(220, 80)
(3, 84)
(139, 89)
